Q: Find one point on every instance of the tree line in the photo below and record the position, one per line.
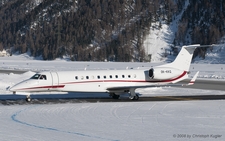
(99, 30)
(95, 30)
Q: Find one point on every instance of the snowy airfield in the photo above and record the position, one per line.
(185, 120)
(111, 121)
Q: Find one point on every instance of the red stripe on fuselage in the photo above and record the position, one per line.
(155, 81)
(44, 87)
(182, 75)
(141, 81)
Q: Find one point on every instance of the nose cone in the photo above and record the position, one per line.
(11, 89)
(14, 89)
(18, 87)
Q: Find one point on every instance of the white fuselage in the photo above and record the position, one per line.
(98, 80)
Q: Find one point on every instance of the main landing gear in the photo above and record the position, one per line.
(136, 97)
(133, 95)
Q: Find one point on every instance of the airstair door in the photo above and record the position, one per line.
(55, 80)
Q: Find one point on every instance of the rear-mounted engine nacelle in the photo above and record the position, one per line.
(164, 73)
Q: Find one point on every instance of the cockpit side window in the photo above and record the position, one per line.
(36, 76)
(43, 77)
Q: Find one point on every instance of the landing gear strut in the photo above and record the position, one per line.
(28, 98)
(133, 95)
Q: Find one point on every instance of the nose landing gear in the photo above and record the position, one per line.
(28, 98)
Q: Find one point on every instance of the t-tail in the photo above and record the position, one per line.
(180, 66)
(183, 59)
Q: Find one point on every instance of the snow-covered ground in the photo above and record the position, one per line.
(130, 121)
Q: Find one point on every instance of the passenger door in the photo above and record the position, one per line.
(55, 80)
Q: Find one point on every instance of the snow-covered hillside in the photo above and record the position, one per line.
(158, 43)
(160, 40)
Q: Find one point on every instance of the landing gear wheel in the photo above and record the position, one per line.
(28, 99)
(136, 97)
(114, 96)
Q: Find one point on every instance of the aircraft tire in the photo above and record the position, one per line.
(28, 99)
(136, 97)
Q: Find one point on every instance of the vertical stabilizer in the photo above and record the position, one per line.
(183, 59)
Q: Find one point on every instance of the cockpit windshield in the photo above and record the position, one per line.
(36, 76)
(39, 76)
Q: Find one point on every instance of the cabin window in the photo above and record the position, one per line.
(76, 77)
(116, 76)
(104, 76)
(123, 76)
(110, 76)
(134, 75)
(128, 76)
(82, 77)
(98, 77)
(87, 77)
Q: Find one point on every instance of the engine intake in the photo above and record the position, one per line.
(151, 73)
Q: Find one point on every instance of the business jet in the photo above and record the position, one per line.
(113, 82)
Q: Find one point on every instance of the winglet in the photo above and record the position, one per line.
(193, 79)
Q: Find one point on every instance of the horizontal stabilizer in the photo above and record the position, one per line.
(193, 79)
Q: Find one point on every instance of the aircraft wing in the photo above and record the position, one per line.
(124, 88)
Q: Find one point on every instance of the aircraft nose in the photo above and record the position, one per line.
(15, 88)
(12, 89)
(18, 86)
